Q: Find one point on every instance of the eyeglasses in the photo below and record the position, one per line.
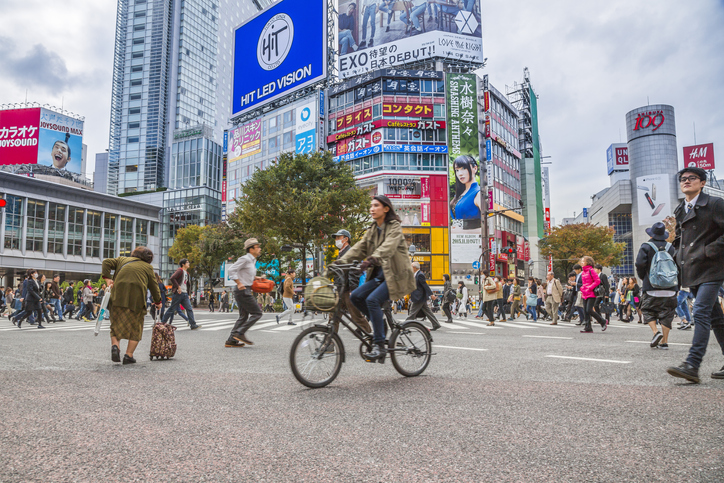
(684, 179)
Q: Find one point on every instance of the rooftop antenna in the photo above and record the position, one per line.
(695, 132)
(647, 101)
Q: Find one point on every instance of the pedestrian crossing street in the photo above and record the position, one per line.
(224, 322)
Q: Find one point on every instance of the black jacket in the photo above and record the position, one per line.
(68, 296)
(506, 292)
(423, 291)
(34, 292)
(700, 241)
(352, 275)
(643, 263)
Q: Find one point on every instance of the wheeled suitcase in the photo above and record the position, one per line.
(163, 340)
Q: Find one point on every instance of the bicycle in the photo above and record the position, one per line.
(317, 353)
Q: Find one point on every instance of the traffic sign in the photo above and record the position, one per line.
(476, 265)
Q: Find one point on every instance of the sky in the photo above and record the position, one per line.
(590, 63)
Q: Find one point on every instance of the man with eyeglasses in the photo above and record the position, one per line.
(700, 244)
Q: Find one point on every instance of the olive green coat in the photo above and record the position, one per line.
(390, 248)
(131, 284)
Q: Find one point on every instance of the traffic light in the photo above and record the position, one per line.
(476, 280)
(509, 251)
(3, 203)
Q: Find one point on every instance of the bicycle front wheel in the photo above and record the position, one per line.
(410, 349)
(316, 357)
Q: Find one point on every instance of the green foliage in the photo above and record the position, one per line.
(206, 248)
(567, 244)
(300, 200)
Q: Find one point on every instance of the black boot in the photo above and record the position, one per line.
(377, 354)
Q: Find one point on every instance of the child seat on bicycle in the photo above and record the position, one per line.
(389, 274)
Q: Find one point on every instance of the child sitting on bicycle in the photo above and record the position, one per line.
(389, 274)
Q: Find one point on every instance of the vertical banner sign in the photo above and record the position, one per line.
(306, 129)
(520, 247)
(226, 142)
(491, 255)
(527, 250)
(548, 221)
(223, 179)
(550, 263)
(464, 177)
(425, 187)
(425, 214)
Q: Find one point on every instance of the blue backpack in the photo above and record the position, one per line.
(663, 273)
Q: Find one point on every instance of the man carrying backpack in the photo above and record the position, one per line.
(656, 267)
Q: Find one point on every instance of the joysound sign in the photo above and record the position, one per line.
(279, 51)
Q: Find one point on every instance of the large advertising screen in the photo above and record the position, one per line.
(41, 136)
(245, 141)
(375, 34)
(466, 197)
(279, 51)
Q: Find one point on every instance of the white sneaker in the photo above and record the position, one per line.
(657, 338)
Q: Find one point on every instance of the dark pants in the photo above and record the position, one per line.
(368, 298)
(421, 306)
(354, 314)
(32, 308)
(69, 309)
(707, 316)
(501, 308)
(446, 311)
(180, 300)
(87, 311)
(249, 311)
(488, 309)
(588, 305)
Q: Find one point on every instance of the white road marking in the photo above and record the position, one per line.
(461, 348)
(587, 359)
(478, 325)
(259, 326)
(547, 337)
(473, 333)
(516, 325)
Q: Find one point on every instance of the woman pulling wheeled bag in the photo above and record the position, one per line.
(389, 273)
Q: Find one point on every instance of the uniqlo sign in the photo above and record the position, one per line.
(699, 156)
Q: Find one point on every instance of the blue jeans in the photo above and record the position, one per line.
(58, 309)
(385, 8)
(432, 7)
(707, 316)
(369, 15)
(532, 311)
(345, 41)
(415, 14)
(368, 298)
(180, 300)
(682, 307)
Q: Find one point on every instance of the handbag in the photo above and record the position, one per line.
(579, 300)
(262, 286)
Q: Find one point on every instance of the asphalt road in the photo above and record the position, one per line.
(520, 402)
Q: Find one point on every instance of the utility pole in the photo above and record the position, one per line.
(484, 195)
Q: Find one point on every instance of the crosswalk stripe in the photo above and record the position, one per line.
(477, 325)
(259, 326)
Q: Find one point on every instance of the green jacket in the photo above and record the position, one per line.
(131, 283)
(390, 249)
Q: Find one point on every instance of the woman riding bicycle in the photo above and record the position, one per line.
(389, 273)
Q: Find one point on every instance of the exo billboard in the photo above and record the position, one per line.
(41, 136)
(699, 156)
(375, 34)
(279, 51)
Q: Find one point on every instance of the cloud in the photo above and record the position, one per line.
(38, 67)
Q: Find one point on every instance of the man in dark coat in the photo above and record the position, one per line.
(700, 244)
(658, 304)
(420, 296)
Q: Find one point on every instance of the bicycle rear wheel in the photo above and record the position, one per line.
(316, 356)
(411, 349)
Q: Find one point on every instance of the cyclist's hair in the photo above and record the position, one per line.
(446, 277)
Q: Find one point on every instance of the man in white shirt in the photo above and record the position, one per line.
(243, 273)
(553, 296)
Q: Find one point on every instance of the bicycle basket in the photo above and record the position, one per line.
(319, 295)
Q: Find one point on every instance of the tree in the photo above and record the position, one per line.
(206, 248)
(567, 244)
(299, 201)
(185, 245)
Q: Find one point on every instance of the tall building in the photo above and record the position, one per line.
(170, 106)
(525, 99)
(171, 72)
(100, 175)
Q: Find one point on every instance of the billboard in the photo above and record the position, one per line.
(699, 156)
(245, 141)
(41, 136)
(378, 34)
(654, 198)
(306, 128)
(617, 157)
(279, 51)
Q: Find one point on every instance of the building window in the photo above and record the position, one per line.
(56, 228)
(141, 233)
(137, 41)
(134, 125)
(137, 68)
(133, 139)
(109, 236)
(75, 231)
(138, 28)
(36, 226)
(93, 235)
(13, 221)
(126, 236)
(153, 228)
(136, 97)
(136, 82)
(134, 110)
